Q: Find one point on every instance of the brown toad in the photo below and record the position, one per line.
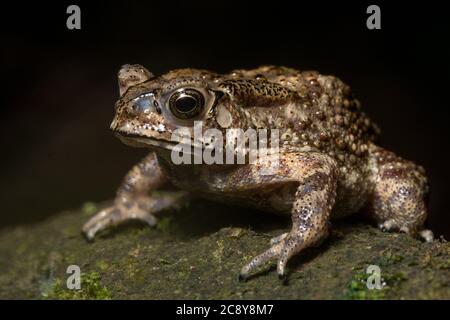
(327, 167)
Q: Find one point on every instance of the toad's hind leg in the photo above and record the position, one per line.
(398, 201)
(314, 199)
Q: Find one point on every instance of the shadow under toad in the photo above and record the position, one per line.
(202, 218)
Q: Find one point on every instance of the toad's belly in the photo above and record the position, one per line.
(280, 200)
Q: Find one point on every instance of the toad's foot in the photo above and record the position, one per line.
(393, 225)
(283, 247)
(142, 209)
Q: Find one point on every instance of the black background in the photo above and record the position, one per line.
(59, 85)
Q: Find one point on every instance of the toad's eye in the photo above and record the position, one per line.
(144, 103)
(186, 103)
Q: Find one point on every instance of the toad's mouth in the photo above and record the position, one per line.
(136, 140)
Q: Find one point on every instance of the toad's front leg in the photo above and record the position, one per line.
(316, 175)
(134, 200)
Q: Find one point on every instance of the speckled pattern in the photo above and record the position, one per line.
(329, 166)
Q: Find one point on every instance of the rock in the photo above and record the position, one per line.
(197, 252)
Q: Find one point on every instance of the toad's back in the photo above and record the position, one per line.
(313, 111)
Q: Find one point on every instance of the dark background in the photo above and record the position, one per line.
(59, 86)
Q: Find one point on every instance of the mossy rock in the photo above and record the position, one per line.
(197, 252)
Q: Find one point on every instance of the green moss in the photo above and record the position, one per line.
(102, 265)
(392, 280)
(357, 289)
(91, 288)
(389, 257)
(218, 252)
(201, 254)
(89, 208)
(164, 224)
(164, 261)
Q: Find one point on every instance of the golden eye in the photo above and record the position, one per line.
(186, 103)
